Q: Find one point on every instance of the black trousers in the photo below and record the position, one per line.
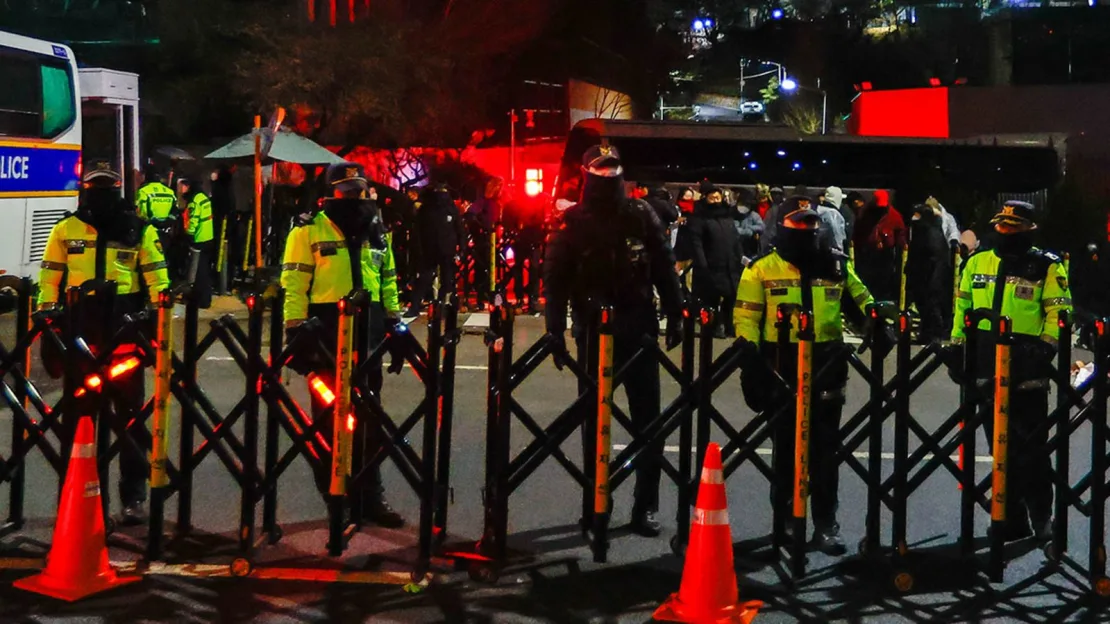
(133, 467)
(641, 387)
(481, 254)
(826, 411)
(531, 286)
(722, 305)
(202, 287)
(425, 282)
(372, 488)
(1028, 479)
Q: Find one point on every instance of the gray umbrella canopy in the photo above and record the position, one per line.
(288, 147)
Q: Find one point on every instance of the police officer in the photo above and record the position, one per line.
(318, 271)
(106, 240)
(610, 251)
(801, 274)
(199, 233)
(154, 201)
(1033, 294)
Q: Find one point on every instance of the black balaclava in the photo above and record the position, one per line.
(352, 215)
(110, 214)
(603, 191)
(1015, 244)
(798, 247)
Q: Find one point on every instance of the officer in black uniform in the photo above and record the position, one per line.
(611, 250)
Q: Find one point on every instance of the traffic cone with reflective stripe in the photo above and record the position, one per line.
(77, 565)
(709, 593)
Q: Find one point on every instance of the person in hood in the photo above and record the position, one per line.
(611, 251)
(749, 226)
(341, 249)
(659, 198)
(833, 229)
(879, 237)
(714, 240)
(106, 240)
(764, 203)
(929, 273)
(800, 275)
(1035, 292)
(440, 230)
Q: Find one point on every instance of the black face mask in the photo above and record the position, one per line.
(798, 247)
(351, 216)
(1015, 244)
(603, 190)
(99, 206)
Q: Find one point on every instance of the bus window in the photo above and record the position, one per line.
(37, 99)
(58, 110)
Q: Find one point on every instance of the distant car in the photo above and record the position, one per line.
(751, 108)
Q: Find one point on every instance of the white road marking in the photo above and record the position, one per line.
(980, 459)
(220, 358)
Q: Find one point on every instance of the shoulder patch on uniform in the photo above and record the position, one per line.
(1051, 256)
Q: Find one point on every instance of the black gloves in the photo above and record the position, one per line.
(397, 343)
(559, 349)
(883, 339)
(674, 332)
(953, 357)
(301, 338)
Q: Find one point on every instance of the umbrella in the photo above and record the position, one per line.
(173, 153)
(288, 147)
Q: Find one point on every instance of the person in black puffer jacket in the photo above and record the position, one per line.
(714, 243)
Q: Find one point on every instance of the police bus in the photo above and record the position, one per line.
(40, 146)
(964, 174)
(53, 117)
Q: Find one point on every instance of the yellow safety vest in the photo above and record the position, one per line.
(70, 258)
(155, 201)
(317, 269)
(1035, 292)
(771, 281)
(198, 219)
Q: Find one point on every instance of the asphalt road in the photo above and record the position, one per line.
(559, 583)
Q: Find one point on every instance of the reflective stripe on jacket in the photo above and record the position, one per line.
(771, 281)
(155, 201)
(317, 269)
(1036, 291)
(198, 219)
(70, 256)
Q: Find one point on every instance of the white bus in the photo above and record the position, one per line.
(40, 146)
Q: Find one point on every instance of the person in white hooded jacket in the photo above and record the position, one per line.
(947, 221)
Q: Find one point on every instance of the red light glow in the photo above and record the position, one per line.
(350, 422)
(92, 382)
(902, 113)
(124, 367)
(322, 390)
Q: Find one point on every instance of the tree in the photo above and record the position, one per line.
(391, 80)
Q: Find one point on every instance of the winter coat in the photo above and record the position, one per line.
(833, 234)
(714, 242)
(439, 227)
(880, 233)
(749, 230)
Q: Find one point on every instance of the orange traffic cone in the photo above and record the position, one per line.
(709, 594)
(77, 565)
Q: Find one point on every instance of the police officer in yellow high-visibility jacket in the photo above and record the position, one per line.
(318, 270)
(798, 272)
(157, 203)
(1033, 294)
(106, 240)
(199, 232)
(154, 201)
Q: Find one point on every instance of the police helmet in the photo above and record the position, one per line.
(799, 214)
(347, 178)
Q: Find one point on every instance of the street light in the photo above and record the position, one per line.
(790, 85)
